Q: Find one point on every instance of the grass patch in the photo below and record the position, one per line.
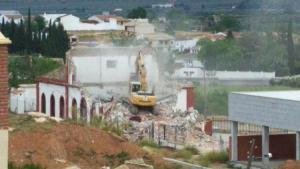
(192, 149)
(117, 159)
(148, 143)
(26, 166)
(217, 96)
(27, 123)
(213, 157)
(186, 153)
(114, 128)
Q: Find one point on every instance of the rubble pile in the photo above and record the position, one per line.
(168, 128)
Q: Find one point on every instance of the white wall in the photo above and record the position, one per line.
(187, 72)
(94, 69)
(23, 99)
(73, 23)
(56, 91)
(181, 102)
(6, 19)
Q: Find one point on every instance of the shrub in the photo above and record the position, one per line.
(148, 143)
(183, 154)
(192, 149)
(213, 157)
(11, 165)
(117, 159)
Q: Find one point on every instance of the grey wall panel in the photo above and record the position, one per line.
(275, 113)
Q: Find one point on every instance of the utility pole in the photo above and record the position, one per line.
(204, 93)
(250, 159)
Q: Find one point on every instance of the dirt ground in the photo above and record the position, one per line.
(290, 164)
(69, 144)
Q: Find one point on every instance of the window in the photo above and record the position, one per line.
(111, 63)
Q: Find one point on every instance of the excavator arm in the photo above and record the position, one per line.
(141, 72)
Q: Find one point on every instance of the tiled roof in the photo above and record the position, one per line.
(57, 74)
(81, 51)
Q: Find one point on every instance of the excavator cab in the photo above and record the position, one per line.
(135, 87)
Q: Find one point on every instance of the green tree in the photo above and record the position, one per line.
(40, 23)
(220, 55)
(228, 23)
(252, 52)
(138, 12)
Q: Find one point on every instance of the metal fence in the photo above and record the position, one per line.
(223, 125)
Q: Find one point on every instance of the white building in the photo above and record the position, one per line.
(159, 40)
(58, 97)
(8, 16)
(186, 45)
(102, 70)
(108, 18)
(73, 23)
(166, 5)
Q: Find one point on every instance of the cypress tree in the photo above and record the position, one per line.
(12, 36)
(2, 25)
(291, 48)
(29, 34)
(20, 38)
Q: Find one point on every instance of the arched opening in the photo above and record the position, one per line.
(61, 107)
(52, 106)
(83, 108)
(74, 109)
(43, 103)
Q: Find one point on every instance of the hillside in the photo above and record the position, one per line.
(59, 145)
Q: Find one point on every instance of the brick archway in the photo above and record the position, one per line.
(43, 103)
(61, 107)
(74, 109)
(52, 106)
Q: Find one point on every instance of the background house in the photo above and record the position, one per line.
(108, 18)
(9, 15)
(186, 45)
(159, 40)
(73, 23)
(140, 27)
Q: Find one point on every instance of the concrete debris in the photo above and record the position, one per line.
(10, 129)
(105, 167)
(57, 119)
(73, 167)
(40, 120)
(169, 127)
(135, 164)
(60, 160)
(37, 114)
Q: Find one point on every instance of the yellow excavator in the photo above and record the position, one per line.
(139, 95)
